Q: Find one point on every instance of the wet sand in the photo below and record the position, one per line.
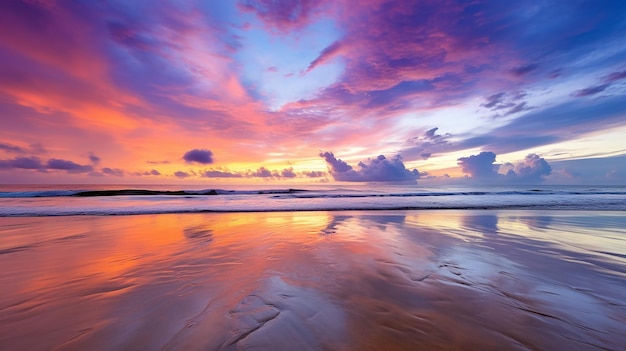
(363, 280)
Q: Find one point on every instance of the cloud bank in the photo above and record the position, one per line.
(53, 164)
(481, 167)
(261, 172)
(379, 169)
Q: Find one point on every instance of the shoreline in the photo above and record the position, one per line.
(79, 213)
(454, 279)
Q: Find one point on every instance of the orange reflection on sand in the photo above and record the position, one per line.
(362, 280)
(435, 220)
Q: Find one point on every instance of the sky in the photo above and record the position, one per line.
(285, 91)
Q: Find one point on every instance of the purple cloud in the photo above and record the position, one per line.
(395, 53)
(93, 158)
(532, 169)
(152, 172)
(615, 76)
(35, 163)
(510, 103)
(22, 163)
(335, 166)
(181, 174)
(494, 101)
(329, 52)
(391, 96)
(32, 149)
(572, 119)
(220, 174)
(113, 171)
(202, 156)
(11, 148)
(68, 166)
(283, 14)
(379, 169)
(521, 107)
(481, 167)
(314, 174)
(425, 146)
(288, 173)
(524, 70)
(430, 134)
(591, 90)
(263, 173)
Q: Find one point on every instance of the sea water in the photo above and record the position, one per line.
(59, 200)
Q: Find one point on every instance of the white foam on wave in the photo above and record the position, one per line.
(133, 205)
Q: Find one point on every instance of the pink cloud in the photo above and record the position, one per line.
(284, 14)
(327, 54)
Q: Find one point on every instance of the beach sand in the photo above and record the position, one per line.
(362, 280)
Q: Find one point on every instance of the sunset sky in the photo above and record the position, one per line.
(312, 91)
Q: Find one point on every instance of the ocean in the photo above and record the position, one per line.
(65, 200)
(316, 267)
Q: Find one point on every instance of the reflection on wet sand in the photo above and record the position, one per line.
(441, 280)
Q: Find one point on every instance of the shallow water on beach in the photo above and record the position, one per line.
(344, 280)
